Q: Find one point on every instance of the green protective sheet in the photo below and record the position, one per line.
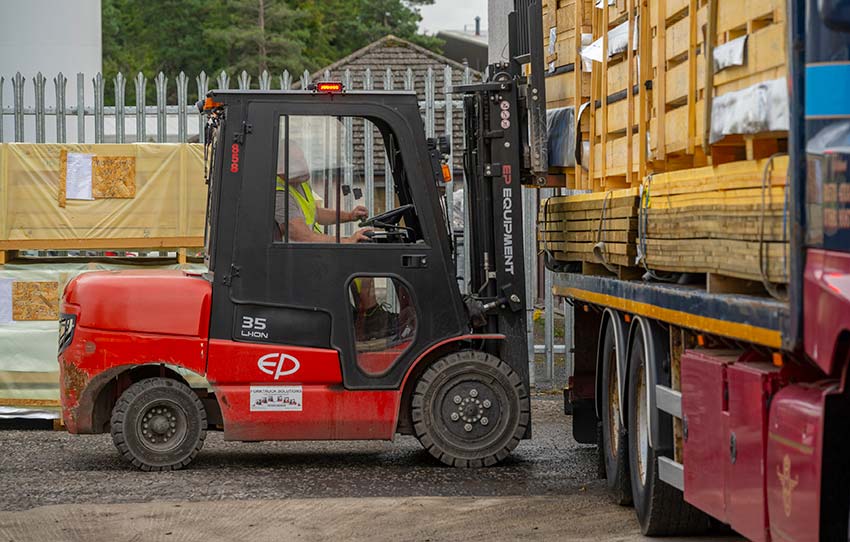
(29, 373)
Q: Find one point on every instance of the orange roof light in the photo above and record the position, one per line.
(209, 104)
(329, 87)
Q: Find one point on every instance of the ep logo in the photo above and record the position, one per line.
(276, 364)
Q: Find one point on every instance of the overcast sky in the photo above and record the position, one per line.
(452, 15)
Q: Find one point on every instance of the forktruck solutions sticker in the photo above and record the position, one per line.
(276, 398)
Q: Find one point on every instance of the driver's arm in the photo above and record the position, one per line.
(328, 216)
(300, 233)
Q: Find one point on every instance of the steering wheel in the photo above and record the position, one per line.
(387, 218)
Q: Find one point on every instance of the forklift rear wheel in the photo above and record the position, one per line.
(159, 424)
(470, 409)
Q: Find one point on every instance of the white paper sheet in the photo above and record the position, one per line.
(5, 301)
(78, 176)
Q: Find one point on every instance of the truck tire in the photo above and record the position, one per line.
(159, 424)
(614, 443)
(470, 409)
(661, 508)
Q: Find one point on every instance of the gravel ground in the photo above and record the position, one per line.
(307, 490)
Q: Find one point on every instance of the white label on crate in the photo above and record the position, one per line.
(276, 398)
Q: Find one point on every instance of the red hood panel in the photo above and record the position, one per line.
(154, 301)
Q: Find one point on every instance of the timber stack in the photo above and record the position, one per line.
(698, 142)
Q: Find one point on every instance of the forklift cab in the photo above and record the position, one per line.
(380, 301)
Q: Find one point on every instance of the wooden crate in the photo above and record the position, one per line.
(619, 112)
(566, 84)
(677, 127)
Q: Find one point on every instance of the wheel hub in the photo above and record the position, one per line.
(471, 409)
(162, 426)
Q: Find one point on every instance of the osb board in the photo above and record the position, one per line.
(113, 176)
(35, 300)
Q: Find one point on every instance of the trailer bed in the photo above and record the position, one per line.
(749, 318)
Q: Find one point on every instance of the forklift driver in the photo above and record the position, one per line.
(305, 216)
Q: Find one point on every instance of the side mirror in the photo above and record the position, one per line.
(835, 14)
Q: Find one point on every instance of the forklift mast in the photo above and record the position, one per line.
(505, 148)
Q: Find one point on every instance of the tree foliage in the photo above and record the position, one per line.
(251, 35)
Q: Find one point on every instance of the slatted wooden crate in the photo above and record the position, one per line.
(679, 53)
(719, 219)
(570, 227)
(619, 112)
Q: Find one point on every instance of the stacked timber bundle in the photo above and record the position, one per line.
(727, 220)
(596, 228)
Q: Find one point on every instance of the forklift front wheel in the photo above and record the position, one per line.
(470, 409)
(159, 424)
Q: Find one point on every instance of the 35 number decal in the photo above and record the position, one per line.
(257, 324)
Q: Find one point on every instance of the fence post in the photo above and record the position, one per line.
(448, 130)
(203, 86)
(285, 80)
(529, 209)
(389, 185)
(39, 82)
(18, 96)
(369, 150)
(429, 103)
(223, 81)
(120, 84)
(98, 107)
(265, 80)
(467, 271)
(244, 81)
(141, 83)
(81, 108)
(349, 155)
(161, 83)
(182, 115)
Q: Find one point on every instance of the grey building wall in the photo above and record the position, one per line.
(49, 36)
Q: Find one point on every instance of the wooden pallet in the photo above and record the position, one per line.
(9, 248)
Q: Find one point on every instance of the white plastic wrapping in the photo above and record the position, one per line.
(760, 108)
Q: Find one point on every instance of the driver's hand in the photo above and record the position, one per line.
(358, 213)
(358, 236)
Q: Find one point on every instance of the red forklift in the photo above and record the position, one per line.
(299, 331)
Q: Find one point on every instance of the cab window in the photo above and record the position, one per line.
(336, 181)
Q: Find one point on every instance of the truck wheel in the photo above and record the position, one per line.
(159, 424)
(661, 508)
(470, 409)
(614, 436)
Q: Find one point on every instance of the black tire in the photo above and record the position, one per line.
(159, 424)
(452, 398)
(661, 508)
(615, 450)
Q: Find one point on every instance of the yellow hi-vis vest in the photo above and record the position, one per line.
(305, 201)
